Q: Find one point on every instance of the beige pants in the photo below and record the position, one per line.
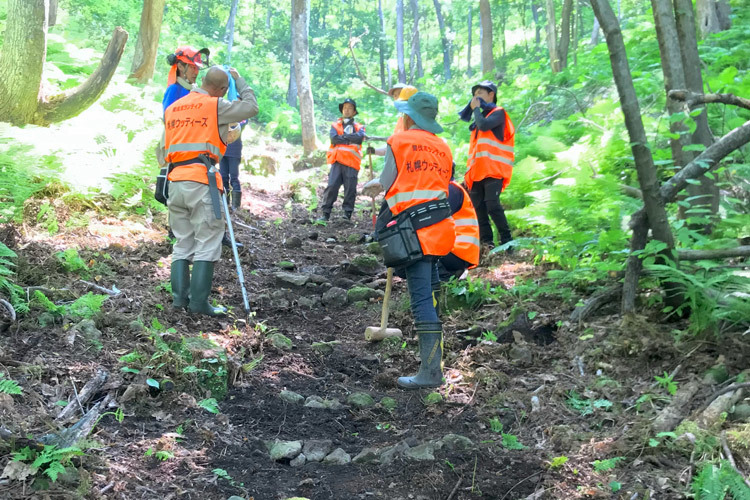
(191, 217)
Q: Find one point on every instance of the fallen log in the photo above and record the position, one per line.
(594, 302)
(719, 253)
(81, 429)
(88, 391)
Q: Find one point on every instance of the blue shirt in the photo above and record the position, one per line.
(173, 93)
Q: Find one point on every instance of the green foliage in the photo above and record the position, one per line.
(71, 262)
(713, 482)
(558, 462)
(9, 386)
(606, 465)
(586, 406)
(210, 405)
(14, 292)
(667, 383)
(85, 307)
(21, 177)
(471, 293)
(51, 461)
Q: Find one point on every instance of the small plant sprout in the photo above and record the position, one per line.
(667, 383)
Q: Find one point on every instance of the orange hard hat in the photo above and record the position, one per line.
(188, 55)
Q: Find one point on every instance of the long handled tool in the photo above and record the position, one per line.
(375, 333)
(374, 206)
(236, 255)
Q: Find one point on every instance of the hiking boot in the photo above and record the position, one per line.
(323, 218)
(200, 288)
(180, 280)
(348, 215)
(236, 200)
(430, 373)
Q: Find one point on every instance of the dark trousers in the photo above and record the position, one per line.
(450, 265)
(485, 195)
(421, 280)
(340, 174)
(230, 173)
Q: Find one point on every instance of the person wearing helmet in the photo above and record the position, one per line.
(185, 62)
(399, 92)
(490, 163)
(345, 157)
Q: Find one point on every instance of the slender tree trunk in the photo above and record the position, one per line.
(537, 25)
(468, 48)
(503, 16)
(229, 36)
(567, 12)
(198, 17)
(576, 30)
(300, 21)
(485, 15)
(415, 59)
(22, 100)
(706, 194)
(381, 44)
(723, 11)
(524, 26)
(52, 12)
(595, 33)
(291, 90)
(144, 57)
(400, 41)
(268, 19)
(554, 53)
(644, 164)
(444, 40)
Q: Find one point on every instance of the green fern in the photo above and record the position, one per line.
(210, 405)
(713, 482)
(8, 386)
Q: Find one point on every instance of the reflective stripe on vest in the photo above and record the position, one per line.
(423, 162)
(192, 128)
(489, 156)
(467, 242)
(346, 154)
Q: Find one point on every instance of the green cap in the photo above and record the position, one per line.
(422, 108)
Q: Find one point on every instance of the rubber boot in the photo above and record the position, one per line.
(200, 288)
(180, 279)
(431, 353)
(227, 241)
(236, 200)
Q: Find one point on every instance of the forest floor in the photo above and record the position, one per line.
(547, 410)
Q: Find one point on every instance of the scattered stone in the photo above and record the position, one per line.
(362, 293)
(315, 450)
(388, 403)
(330, 240)
(318, 402)
(235, 497)
(377, 284)
(280, 341)
(389, 454)
(313, 236)
(741, 412)
(423, 452)
(335, 297)
(374, 248)
(363, 264)
(360, 400)
(282, 450)
(344, 283)
(337, 457)
(136, 326)
(293, 242)
(324, 347)
(318, 279)
(292, 397)
(353, 238)
(298, 461)
(368, 456)
(520, 353)
(338, 249)
(264, 165)
(291, 278)
(285, 264)
(457, 442)
(87, 329)
(309, 302)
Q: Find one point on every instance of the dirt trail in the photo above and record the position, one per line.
(503, 407)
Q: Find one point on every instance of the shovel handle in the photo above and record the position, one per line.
(386, 299)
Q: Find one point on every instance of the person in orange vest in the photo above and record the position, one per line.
(345, 157)
(196, 130)
(399, 92)
(465, 252)
(415, 177)
(490, 164)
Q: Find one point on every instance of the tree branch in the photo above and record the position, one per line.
(352, 42)
(719, 253)
(693, 99)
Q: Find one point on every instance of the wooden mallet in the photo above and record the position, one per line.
(376, 333)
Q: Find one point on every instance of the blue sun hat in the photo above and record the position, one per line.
(423, 109)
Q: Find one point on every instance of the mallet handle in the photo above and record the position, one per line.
(386, 299)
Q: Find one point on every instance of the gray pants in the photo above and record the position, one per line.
(340, 174)
(192, 219)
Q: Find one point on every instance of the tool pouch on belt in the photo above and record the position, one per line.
(399, 240)
(161, 191)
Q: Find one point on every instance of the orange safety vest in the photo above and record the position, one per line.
(192, 128)
(346, 154)
(424, 162)
(467, 242)
(489, 157)
(399, 125)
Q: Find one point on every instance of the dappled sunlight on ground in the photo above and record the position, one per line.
(508, 273)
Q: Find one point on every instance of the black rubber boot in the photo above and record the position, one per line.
(200, 288)
(227, 242)
(180, 280)
(431, 353)
(236, 200)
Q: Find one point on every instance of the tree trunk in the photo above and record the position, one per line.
(381, 49)
(567, 12)
(723, 11)
(576, 30)
(198, 17)
(485, 17)
(291, 91)
(144, 58)
(595, 33)
(300, 21)
(52, 13)
(713, 16)
(537, 24)
(644, 163)
(22, 100)
(445, 41)
(229, 35)
(554, 54)
(415, 59)
(503, 16)
(400, 41)
(468, 49)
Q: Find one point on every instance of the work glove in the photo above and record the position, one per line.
(372, 188)
(370, 150)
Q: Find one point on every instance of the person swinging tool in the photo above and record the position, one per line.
(417, 227)
(196, 127)
(345, 157)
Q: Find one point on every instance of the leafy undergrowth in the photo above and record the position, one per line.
(547, 405)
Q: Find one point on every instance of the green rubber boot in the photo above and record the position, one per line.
(431, 353)
(236, 200)
(200, 288)
(180, 279)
